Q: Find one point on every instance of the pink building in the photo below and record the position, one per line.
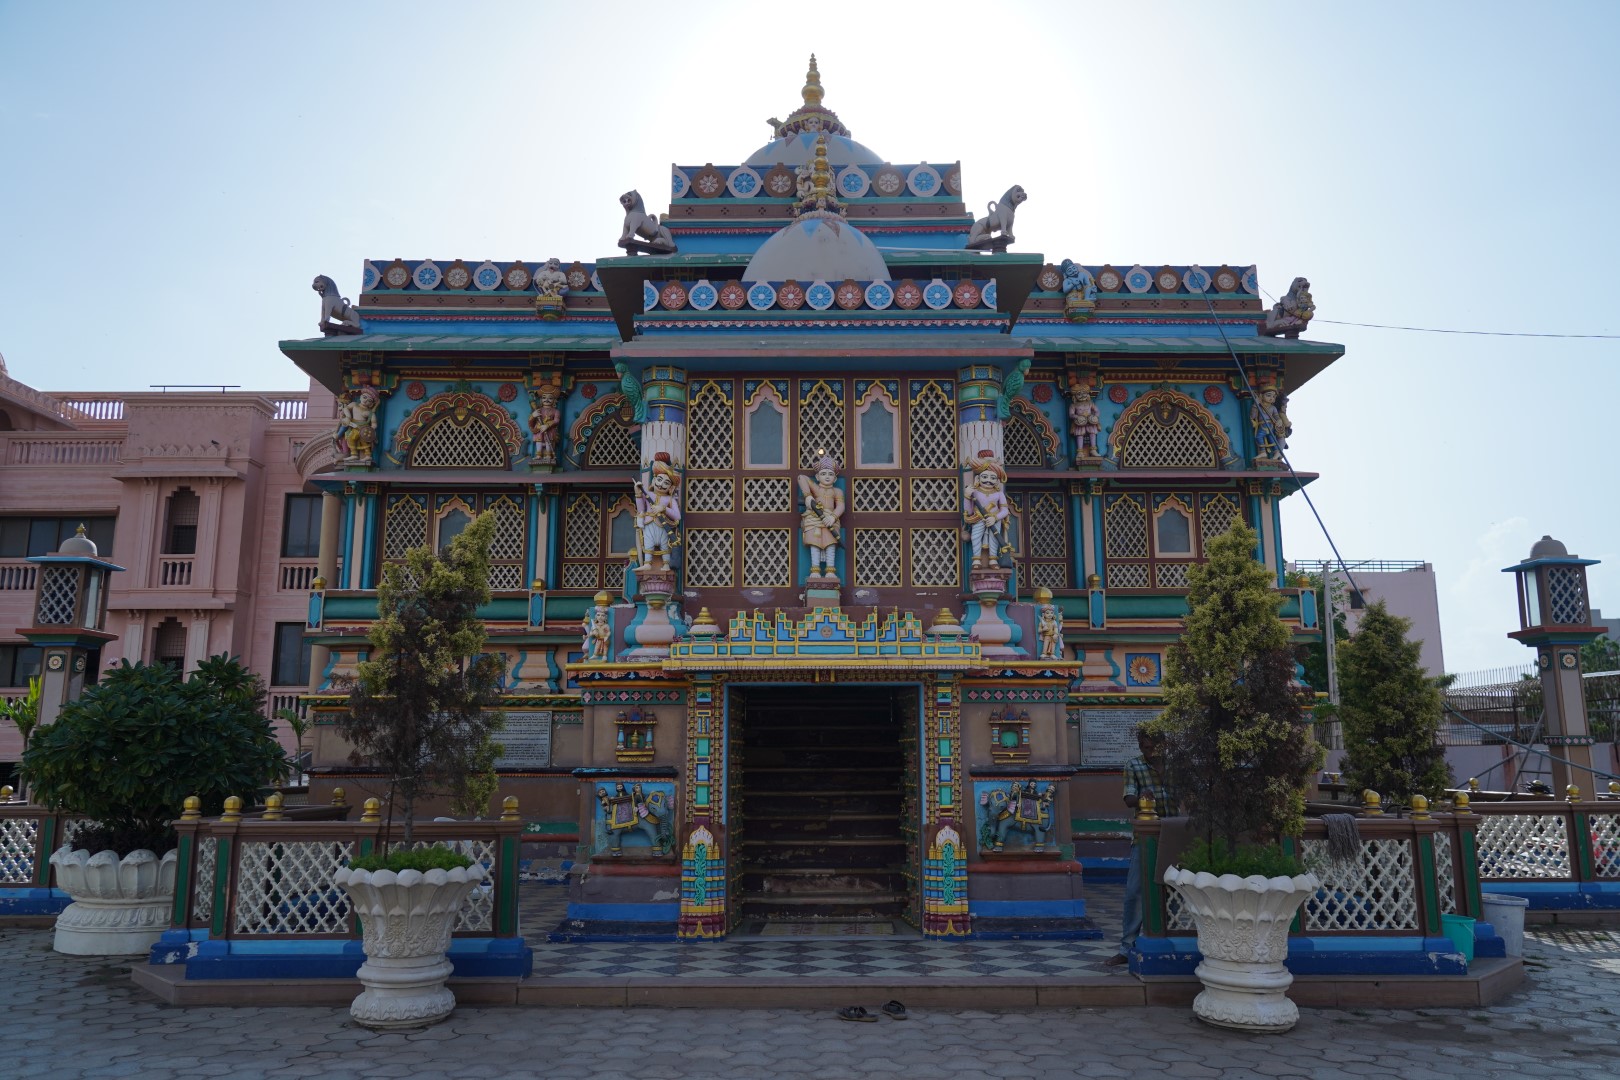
(199, 493)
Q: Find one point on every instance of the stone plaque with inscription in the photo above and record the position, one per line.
(1108, 736)
(526, 740)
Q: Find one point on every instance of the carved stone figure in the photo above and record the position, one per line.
(1077, 279)
(356, 436)
(1269, 418)
(598, 635)
(1022, 807)
(658, 511)
(631, 813)
(643, 233)
(1292, 313)
(999, 219)
(1049, 632)
(985, 509)
(550, 280)
(338, 316)
(630, 387)
(545, 419)
(819, 526)
(1085, 423)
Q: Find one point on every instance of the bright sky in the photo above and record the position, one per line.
(175, 174)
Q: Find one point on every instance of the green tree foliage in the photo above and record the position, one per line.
(23, 714)
(421, 708)
(1238, 746)
(132, 747)
(1391, 711)
(1600, 654)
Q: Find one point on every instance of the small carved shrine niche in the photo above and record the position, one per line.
(633, 739)
(1009, 736)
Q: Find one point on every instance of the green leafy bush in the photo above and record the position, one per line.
(131, 748)
(1212, 857)
(437, 857)
(1391, 711)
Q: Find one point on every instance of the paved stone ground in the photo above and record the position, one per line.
(70, 1017)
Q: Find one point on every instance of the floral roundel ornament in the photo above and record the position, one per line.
(1118, 394)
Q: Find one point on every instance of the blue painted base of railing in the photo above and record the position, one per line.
(1032, 920)
(32, 902)
(287, 958)
(1360, 955)
(1562, 895)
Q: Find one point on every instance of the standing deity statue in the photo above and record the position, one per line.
(819, 523)
(356, 434)
(1269, 418)
(1085, 423)
(598, 634)
(545, 419)
(658, 511)
(985, 509)
(1049, 631)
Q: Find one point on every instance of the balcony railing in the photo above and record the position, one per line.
(22, 449)
(17, 575)
(296, 575)
(174, 570)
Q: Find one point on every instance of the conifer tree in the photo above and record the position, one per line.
(422, 706)
(1238, 747)
(1391, 711)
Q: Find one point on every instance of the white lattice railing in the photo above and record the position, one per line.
(19, 848)
(1378, 891)
(1550, 841)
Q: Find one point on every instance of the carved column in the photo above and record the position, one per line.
(663, 440)
(978, 393)
(979, 442)
(197, 639)
(208, 530)
(326, 559)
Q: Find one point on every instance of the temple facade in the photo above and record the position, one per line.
(839, 538)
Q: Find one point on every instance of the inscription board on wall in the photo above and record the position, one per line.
(1108, 736)
(526, 740)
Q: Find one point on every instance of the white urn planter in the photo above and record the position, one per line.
(406, 919)
(1243, 933)
(120, 906)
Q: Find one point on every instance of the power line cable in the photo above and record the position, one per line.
(1437, 330)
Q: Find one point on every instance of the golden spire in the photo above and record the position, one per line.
(812, 85)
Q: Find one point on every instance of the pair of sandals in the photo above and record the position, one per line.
(893, 1010)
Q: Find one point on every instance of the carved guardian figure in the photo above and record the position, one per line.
(643, 233)
(338, 316)
(998, 220)
(1291, 314)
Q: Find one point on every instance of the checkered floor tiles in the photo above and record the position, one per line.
(903, 956)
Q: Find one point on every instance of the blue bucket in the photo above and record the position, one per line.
(1460, 929)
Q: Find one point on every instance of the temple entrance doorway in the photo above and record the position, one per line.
(823, 791)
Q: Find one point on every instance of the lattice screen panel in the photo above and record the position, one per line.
(613, 576)
(821, 424)
(1127, 575)
(582, 527)
(18, 837)
(471, 444)
(510, 533)
(1566, 596)
(58, 590)
(1048, 528)
(406, 527)
(1523, 846)
(580, 576)
(1171, 575)
(1125, 527)
(767, 557)
(935, 558)
(1020, 446)
(1178, 444)
(877, 556)
(1051, 574)
(709, 495)
(1605, 845)
(612, 444)
(709, 557)
(1176, 917)
(933, 494)
(767, 495)
(285, 887)
(506, 577)
(478, 913)
(1377, 892)
(1445, 872)
(1215, 516)
(709, 427)
(933, 428)
(876, 495)
(202, 893)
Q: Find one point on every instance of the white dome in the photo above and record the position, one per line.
(798, 149)
(819, 246)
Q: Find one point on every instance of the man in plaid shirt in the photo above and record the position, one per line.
(1143, 776)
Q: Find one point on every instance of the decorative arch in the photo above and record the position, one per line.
(1166, 429)
(599, 437)
(461, 430)
(1028, 439)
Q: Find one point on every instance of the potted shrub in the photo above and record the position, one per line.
(125, 755)
(1239, 751)
(422, 710)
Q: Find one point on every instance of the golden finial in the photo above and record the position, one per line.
(233, 809)
(191, 808)
(371, 813)
(538, 585)
(811, 92)
(1614, 787)
(1093, 581)
(1572, 793)
(272, 807)
(1372, 803)
(704, 618)
(1473, 784)
(318, 584)
(1420, 808)
(1459, 803)
(509, 808)
(1043, 595)
(5, 793)
(80, 531)
(604, 598)
(1145, 809)
(338, 797)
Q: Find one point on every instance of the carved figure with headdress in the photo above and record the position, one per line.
(1049, 629)
(1084, 420)
(545, 418)
(658, 511)
(986, 511)
(338, 316)
(1268, 416)
(1292, 313)
(999, 219)
(550, 282)
(819, 523)
(643, 233)
(356, 434)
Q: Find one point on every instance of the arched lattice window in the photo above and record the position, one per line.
(613, 444)
(1151, 539)
(1164, 429)
(932, 425)
(821, 422)
(1020, 445)
(465, 444)
(709, 424)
